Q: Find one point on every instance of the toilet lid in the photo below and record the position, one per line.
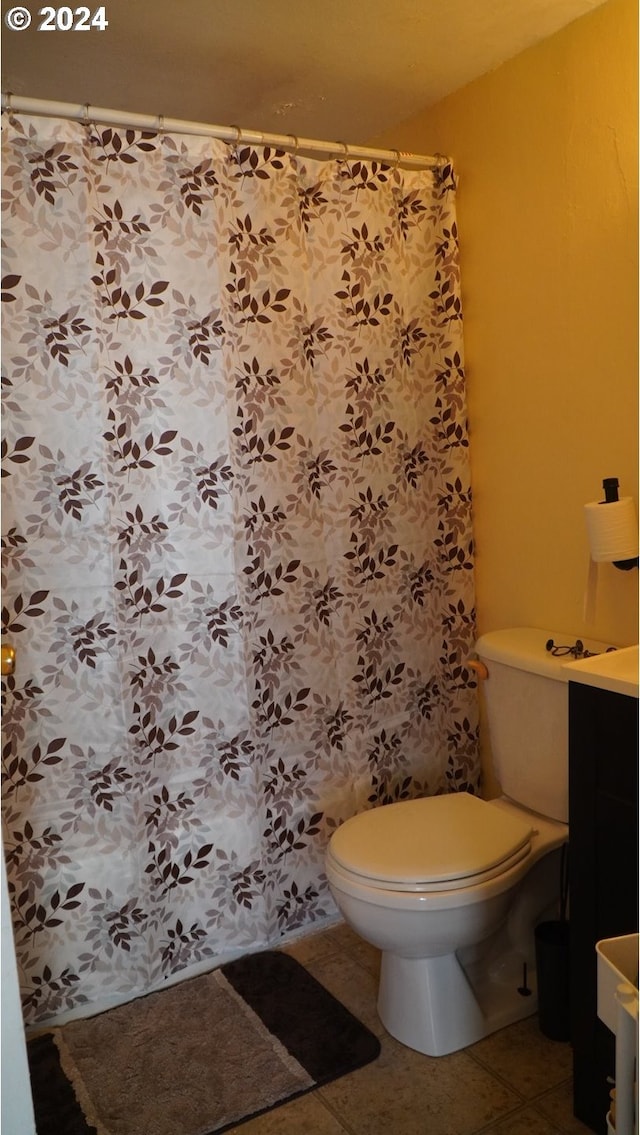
(440, 839)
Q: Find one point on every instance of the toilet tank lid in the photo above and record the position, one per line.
(524, 648)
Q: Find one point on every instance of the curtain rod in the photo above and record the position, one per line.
(121, 118)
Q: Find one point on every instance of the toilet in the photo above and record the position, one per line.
(451, 887)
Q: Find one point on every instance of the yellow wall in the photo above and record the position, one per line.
(546, 152)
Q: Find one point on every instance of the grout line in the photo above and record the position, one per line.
(555, 1123)
(520, 1105)
(344, 1124)
(493, 1072)
(493, 1128)
(567, 1082)
(507, 1083)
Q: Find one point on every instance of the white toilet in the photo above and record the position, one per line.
(451, 887)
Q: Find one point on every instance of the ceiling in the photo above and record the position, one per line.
(332, 69)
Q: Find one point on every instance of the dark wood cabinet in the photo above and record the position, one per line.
(603, 873)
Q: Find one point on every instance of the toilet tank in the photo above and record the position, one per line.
(526, 697)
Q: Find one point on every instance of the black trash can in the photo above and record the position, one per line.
(552, 970)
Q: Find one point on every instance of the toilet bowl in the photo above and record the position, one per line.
(449, 889)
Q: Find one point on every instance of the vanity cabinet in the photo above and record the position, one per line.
(603, 873)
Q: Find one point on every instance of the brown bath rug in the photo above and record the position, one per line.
(199, 1057)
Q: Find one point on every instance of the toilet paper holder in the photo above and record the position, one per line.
(626, 525)
(610, 486)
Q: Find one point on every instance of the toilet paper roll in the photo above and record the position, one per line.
(612, 529)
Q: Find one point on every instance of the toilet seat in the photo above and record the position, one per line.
(436, 843)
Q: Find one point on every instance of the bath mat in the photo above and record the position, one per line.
(198, 1058)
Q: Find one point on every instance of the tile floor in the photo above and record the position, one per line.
(515, 1082)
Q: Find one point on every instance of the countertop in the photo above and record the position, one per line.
(616, 671)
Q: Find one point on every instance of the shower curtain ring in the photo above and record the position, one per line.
(398, 159)
(238, 137)
(85, 115)
(161, 124)
(346, 150)
(296, 144)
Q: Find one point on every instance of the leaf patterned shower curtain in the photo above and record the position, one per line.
(237, 540)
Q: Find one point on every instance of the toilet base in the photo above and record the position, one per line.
(435, 1006)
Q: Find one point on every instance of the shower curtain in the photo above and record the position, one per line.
(237, 540)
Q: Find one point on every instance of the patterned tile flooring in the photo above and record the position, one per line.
(515, 1082)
